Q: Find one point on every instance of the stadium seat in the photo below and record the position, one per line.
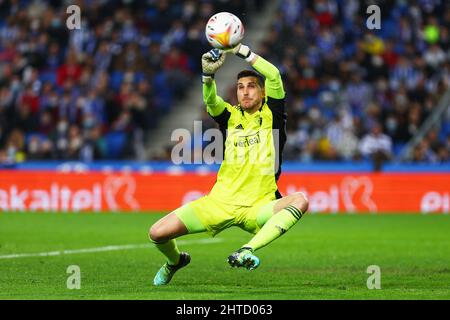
(116, 79)
(310, 101)
(398, 147)
(115, 143)
(48, 76)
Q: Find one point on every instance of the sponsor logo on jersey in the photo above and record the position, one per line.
(246, 141)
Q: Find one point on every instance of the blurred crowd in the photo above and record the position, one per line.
(355, 93)
(95, 92)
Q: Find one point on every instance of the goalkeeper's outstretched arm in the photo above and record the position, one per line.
(215, 105)
(273, 84)
(211, 62)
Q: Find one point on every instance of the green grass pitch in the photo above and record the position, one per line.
(322, 257)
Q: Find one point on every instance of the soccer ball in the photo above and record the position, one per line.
(224, 30)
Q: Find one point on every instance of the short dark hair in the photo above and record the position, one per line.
(251, 73)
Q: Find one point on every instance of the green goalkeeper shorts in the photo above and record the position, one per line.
(210, 215)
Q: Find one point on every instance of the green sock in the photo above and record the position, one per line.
(278, 224)
(170, 250)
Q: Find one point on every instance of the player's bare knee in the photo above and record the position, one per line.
(301, 201)
(156, 233)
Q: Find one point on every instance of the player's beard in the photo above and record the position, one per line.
(252, 106)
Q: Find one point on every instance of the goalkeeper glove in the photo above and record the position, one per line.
(211, 62)
(243, 51)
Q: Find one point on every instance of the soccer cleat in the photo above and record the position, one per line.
(167, 271)
(244, 257)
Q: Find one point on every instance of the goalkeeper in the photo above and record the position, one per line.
(245, 193)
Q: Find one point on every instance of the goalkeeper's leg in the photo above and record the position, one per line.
(274, 221)
(163, 233)
(286, 212)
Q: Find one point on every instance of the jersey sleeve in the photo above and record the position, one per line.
(273, 83)
(216, 107)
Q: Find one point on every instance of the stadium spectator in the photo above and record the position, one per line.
(377, 146)
(113, 73)
(342, 139)
(62, 90)
(423, 153)
(389, 79)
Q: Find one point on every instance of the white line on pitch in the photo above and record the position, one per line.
(102, 249)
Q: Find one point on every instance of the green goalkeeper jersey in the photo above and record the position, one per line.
(253, 143)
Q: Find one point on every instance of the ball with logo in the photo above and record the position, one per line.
(224, 30)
